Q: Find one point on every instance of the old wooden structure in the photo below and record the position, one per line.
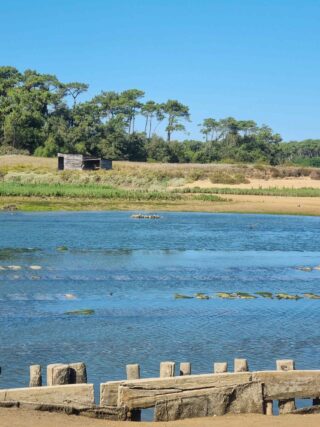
(172, 397)
(80, 162)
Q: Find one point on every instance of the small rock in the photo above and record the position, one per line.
(226, 295)
(70, 296)
(84, 312)
(10, 208)
(245, 295)
(14, 267)
(200, 295)
(181, 296)
(265, 294)
(62, 248)
(287, 296)
(145, 216)
(311, 296)
(307, 269)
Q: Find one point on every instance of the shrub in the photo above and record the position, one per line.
(8, 150)
(315, 174)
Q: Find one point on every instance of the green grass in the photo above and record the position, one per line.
(272, 191)
(82, 191)
(209, 198)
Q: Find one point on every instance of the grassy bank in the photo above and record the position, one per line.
(82, 191)
(277, 192)
(29, 184)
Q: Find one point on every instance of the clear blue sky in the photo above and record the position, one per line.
(251, 59)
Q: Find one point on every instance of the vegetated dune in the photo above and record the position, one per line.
(167, 175)
(33, 183)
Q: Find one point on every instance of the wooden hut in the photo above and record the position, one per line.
(80, 162)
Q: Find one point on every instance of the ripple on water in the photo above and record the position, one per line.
(128, 274)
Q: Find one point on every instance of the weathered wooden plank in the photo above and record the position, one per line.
(75, 394)
(109, 393)
(239, 399)
(289, 384)
(145, 393)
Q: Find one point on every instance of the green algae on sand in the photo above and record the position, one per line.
(265, 294)
(81, 312)
(181, 296)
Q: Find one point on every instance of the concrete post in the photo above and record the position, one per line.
(220, 367)
(287, 405)
(61, 375)
(133, 372)
(241, 365)
(50, 372)
(78, 373)
(185, 368)
(167, 369)
(35, 376)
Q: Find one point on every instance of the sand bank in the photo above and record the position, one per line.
(29, 418)
(232, 203)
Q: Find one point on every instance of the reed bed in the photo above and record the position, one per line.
(272, 191)
(82, 191)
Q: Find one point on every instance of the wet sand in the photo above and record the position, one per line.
(231, 204)
(29, 418)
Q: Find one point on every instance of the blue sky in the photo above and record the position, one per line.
(251, 59)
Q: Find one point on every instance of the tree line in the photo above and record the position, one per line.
(41, 115)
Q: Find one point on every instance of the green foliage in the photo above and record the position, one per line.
(41, 115)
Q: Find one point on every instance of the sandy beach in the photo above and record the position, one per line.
(29, 418)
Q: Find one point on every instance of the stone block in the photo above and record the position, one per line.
(285, 365)
(286, 406)
(61, 375)
(78, 373)
(146, 392)
(185, 368)
(242, 399)
(70, 395)
(279, 385)
(109, 393)
(133, 371)
(241, 365)
(35, 376)
(220, 367)
(167, 369)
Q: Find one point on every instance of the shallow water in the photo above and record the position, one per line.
(128, 272)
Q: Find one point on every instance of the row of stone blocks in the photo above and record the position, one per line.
(241, 389)
(167, 369)
(59, 374)
(76, 373)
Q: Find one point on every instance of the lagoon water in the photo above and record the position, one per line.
(128, 271)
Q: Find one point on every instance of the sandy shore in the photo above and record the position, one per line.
(29, 418)
(232, 204)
